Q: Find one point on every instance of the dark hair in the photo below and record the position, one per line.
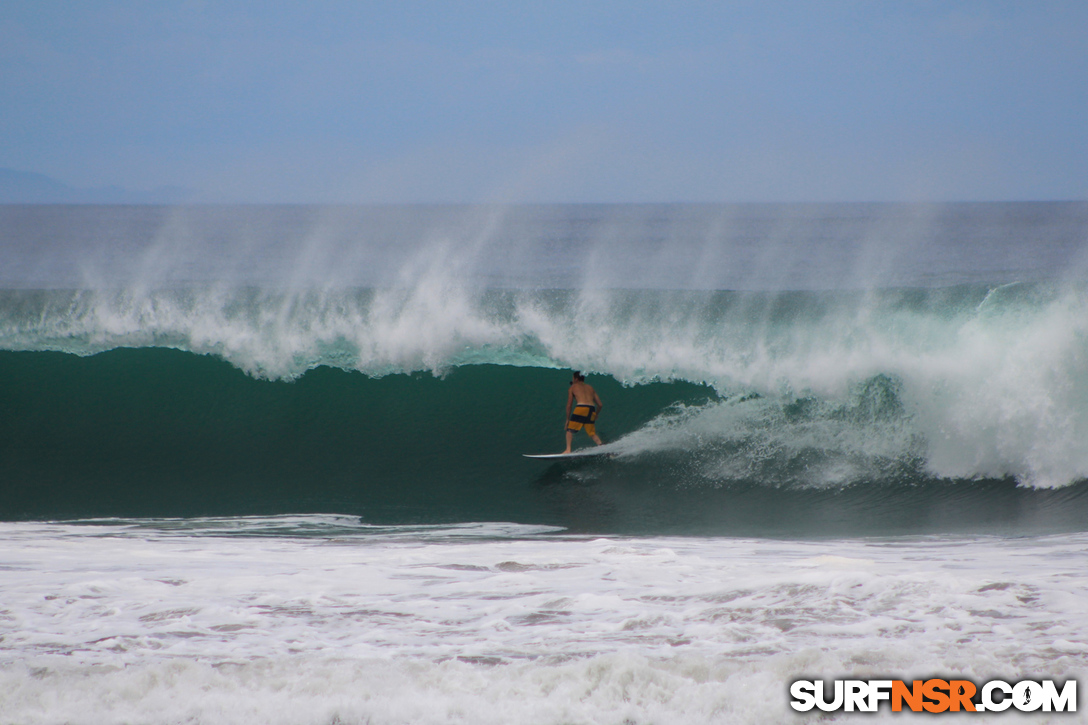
(578, 375)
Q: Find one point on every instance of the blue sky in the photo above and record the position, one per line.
(551, 101)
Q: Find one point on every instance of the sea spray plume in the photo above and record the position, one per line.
(1013, 400)
(422, 326)
(299, 307)
(434, 311)
(714, 256)
(791, 441)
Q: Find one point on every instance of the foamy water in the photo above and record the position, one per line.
(323, 620)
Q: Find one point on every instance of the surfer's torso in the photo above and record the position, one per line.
(584, 394)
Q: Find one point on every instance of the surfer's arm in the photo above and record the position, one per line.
(570, 398)
(597, 400)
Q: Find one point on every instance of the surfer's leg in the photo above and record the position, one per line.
(570, 437)
(591, 429)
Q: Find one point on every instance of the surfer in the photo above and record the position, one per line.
(587, 406)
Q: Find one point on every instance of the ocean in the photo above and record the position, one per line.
(263, 464)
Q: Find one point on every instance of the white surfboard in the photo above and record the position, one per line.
(587, 453)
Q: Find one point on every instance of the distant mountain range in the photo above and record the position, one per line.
(27, 187)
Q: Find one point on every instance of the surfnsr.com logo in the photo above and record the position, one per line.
(934, 695)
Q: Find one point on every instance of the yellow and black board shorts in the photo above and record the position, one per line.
(583, 416)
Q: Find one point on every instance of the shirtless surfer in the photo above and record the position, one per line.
(587, 406)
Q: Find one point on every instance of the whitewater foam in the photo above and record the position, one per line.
(331, 621)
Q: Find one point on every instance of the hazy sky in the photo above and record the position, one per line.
(551, 101)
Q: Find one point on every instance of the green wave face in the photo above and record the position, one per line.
(165, 433)
(157, 432)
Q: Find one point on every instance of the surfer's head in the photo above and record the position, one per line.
(577, 377)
